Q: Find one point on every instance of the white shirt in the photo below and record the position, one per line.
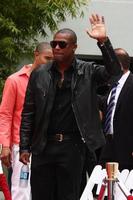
(118, 90)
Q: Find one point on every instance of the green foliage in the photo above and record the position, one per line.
(21, 21)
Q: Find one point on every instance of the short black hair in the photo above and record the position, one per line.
(42, 46)
(69, 31)
(123, 57)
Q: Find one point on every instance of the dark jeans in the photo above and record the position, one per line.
(89, 164)
(56, 173)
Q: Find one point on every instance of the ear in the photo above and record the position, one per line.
(75, 47)
(36, 53)
(74, 50)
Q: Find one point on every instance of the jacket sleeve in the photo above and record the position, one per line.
(27, 120)
(111, 68)
(111, 61)
(7, 111)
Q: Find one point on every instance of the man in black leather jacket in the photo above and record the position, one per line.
(61, 116)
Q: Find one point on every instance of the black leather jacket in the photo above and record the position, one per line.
(39, 101)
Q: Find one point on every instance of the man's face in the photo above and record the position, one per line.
(63, 47)
(43, 57)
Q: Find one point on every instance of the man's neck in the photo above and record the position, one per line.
(63, 66)
(125, 71)
(33, 66)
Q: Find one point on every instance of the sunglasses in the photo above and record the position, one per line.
(61, 44)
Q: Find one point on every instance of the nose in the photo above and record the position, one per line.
(57, 46)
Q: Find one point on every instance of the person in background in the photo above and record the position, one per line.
(119, 130)
(60, 115)
(10, 117)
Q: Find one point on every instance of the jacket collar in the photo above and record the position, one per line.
(75, 64)
(25, 70)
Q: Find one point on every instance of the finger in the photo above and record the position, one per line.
(6, 161)
(94, 18)
(25, 161)
(4, 154)
(27, 158)
(98, 18)
(24, 158)
(91, 20)
(88, 32)
(103, 20)
(93, 24)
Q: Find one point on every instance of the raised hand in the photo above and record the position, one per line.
(98, 30)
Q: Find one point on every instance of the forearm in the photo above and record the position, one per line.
(5, 128)
(7, 112)
(26, 130)
(27, 120)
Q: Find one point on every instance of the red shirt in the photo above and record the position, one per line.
(12, 105)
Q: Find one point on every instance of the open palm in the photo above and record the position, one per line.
(98, 30)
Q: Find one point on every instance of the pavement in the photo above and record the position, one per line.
(1, 196)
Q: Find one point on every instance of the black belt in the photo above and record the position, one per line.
(59, 137)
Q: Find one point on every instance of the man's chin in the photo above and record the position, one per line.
(59, 58)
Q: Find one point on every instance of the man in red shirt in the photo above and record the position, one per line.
(10, 117)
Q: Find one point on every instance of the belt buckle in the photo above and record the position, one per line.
(59, 137)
